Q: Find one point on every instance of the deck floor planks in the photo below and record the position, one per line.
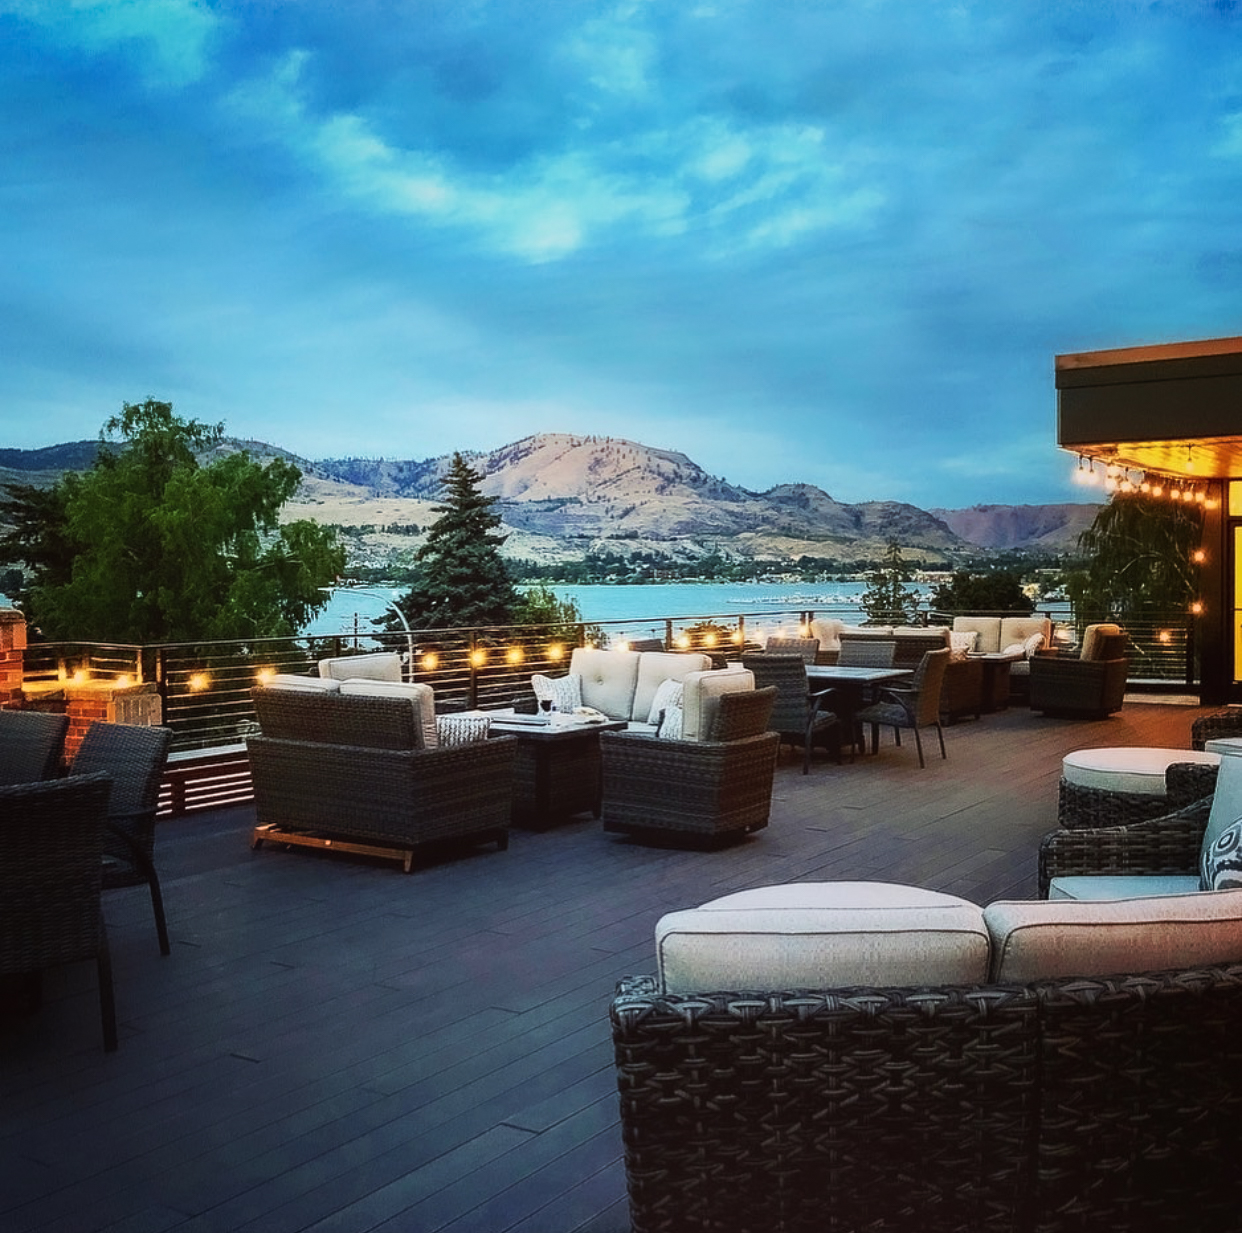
(331, 1039)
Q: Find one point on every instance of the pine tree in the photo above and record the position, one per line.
(461, 578)
(886, 599)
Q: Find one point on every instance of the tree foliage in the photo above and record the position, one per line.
(1139, 560)
(887, 599)
(992, 591)
(149, 545)
(460, 577)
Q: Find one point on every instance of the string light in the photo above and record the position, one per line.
(1117, 479)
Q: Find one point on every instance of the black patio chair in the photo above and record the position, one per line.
(31, 743)
(800, 716)
(51, 867)
(912, 706)
(134, 756)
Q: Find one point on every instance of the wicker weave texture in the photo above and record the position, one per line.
(705, 788)
(1223, 724)
(30, 745)
(787, 1112)
(1077, 687)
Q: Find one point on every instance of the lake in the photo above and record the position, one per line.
(352, 610)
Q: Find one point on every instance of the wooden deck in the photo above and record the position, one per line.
(333, 1045)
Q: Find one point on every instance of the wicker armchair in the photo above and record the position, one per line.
(700, 793)
(914, 706)
(1093, 685)
(1218, 725)
(799, 716)
(350, 773)
(30, 745)
(51, 867)
(134, 757)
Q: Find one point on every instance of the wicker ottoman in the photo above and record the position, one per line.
(1117, 786)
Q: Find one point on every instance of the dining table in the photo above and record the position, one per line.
(856, 686)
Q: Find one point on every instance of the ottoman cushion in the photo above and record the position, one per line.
(1137, 769)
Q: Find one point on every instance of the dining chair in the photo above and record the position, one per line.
(51, 866)
(808, 648)
(31, 743)
(134, 756)
(799, 715)
(866, 652)
(913, 706)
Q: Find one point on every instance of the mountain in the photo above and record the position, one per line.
(560, 495)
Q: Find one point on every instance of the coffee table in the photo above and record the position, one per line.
(558, 771)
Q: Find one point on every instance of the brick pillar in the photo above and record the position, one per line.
(12, 654)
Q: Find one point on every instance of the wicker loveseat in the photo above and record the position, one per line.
(1086, 1077)
(354, 772)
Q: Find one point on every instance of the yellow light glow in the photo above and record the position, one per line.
(1211, 503)
(429, 661)
(1197, 607)
(198, 682)
(80, 677)
(1157, 490)
(478, 657)
(683, 641)
(737, 636)
(622, 646)
(709, 639)
(1164, 637)
(514, 655)
(1198, 556)
(264, 675)
(556, 651)
(124, 680)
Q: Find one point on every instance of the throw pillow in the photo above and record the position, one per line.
(1015, 650)
(462, 729)
(1220, 867)
(565, 692)
(668, 693)
(670, 724)
(1032, 644)
(961, 643)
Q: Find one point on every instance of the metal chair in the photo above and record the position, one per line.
(913, 706)
(31, 743)
(51, 864)
(134, 756)
(800, 716)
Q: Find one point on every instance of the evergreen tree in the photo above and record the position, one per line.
(998, 590)
(886, 600)
(460, 577)
(149, 545)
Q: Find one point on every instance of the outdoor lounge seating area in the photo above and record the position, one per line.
(331, 1045)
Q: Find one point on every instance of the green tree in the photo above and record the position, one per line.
(460, 577)
(1139, 560)
(553, 618)
(992, 591)
(149, 545)
(887, 600)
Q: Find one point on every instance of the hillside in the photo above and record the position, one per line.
(562, 495)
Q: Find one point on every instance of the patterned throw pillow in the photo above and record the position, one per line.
(961, 643)
(565, 692)
(670, 724)
(668, 694)
(462, 729)
(1033, 644)
(1221, 865)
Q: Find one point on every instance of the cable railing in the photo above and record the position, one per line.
(204, 688)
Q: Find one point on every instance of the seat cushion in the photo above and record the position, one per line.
(377, 666)
(700, 698)
(609, 680)
(1092, 888)
(1137, 769)
(1050, 939)
(421, 697)
(822, 935)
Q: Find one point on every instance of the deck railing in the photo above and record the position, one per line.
(204, 688)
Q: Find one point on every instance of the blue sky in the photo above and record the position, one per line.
(837, 242)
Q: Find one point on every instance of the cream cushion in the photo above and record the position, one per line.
(377, 666)
(609, 679)
(1047, 939)
(700, 698)
(656, 667)
(820, 935)
(1019, 629)
(421, 697)
(1128, 768)
(985, 629)
(1091, 888)
(1093, 636)
(828, 631)
(286, 680)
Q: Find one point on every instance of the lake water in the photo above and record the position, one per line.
(351, 610)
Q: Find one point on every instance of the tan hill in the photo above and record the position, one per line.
(1055, 528)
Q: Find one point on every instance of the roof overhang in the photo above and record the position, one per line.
(1175, 408)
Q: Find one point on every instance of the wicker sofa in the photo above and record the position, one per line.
(355, 772)
(921, 1063)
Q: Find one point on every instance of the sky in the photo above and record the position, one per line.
(836, 242)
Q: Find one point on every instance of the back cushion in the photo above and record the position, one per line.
(823, 935)
(331, 718)
(828, 631)
(987, 629)
(421, 697)
(656, 667)
(700, 698)
(1052, 938)
(1019, 629)
(1093, 636)
(609, 679)
(311, 684)
(379, 666)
